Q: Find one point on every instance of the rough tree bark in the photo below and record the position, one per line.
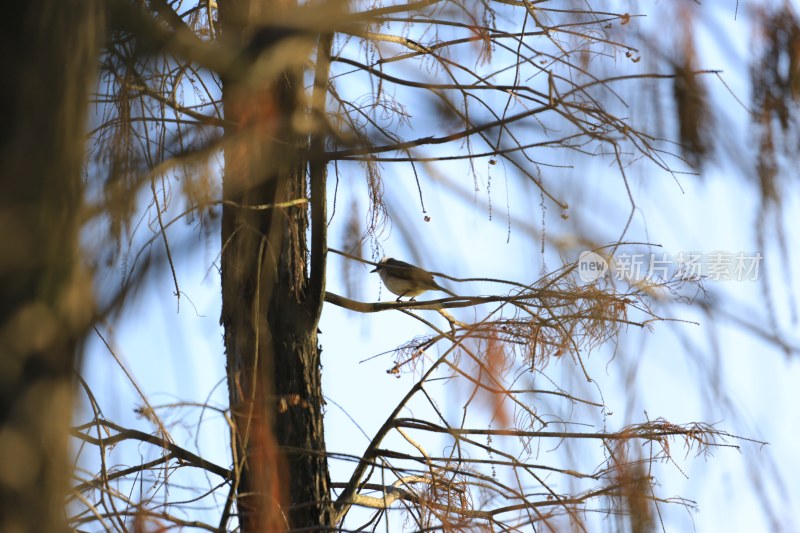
(270, 304)
(49, 49)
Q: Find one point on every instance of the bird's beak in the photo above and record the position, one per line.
(375, 270)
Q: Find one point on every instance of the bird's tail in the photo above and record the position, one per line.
(448, 291)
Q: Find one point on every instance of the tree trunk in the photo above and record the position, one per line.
(49, 50)
(270, 306)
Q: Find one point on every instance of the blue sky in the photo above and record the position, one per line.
(735, 381)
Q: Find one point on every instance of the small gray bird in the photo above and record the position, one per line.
(405, 279)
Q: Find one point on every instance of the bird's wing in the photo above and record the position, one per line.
(404, 270)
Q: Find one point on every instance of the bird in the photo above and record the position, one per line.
(405, 279)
